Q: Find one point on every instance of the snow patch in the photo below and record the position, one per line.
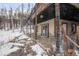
(6, 36)
(38, 50)
(29, 38)
(23, 37)
(54, 47)
(17, 44)
(6, 49)
(77, 52)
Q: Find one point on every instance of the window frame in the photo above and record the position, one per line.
(43, 28)
(75, 28)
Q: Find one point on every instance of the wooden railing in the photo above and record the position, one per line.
(68, 38)
(71, 41)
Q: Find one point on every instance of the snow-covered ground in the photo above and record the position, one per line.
(7, 45)
(6, 49)
(6, 36)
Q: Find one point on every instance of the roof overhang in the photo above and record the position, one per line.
(41, 8)
(75, 4)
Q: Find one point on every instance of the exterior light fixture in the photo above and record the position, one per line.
(41, 16)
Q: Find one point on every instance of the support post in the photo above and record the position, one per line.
(58, 34)
(36, 23)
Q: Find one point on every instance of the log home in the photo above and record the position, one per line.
(43, 17)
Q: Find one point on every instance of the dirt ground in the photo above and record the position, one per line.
(46, 43)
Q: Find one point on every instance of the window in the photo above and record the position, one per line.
(73, 28)
(45, 30)
(65, 27)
